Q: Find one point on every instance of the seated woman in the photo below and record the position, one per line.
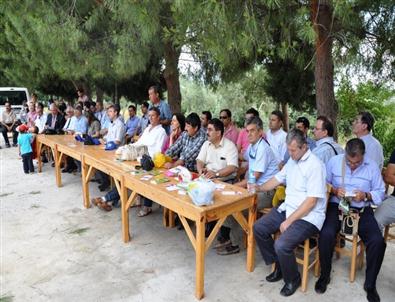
(93, 125)
(177, 127)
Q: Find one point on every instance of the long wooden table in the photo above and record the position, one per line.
(95, 158)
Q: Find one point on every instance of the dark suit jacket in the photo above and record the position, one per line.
(60, 121)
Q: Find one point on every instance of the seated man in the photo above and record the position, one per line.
(299, 217)
(9, 124)
(362, 127)
(116, 134)
(263, 165)
(187, 147)
(153, 137)
(362, 180)
(79, 122)
(218, 156)
(231, 131)
(326, 147)
(132, 124)
(385, 213)
(55, 120)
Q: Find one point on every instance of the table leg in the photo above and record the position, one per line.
(200, 253)
(39, 161)
(85, 182)
(57, 167)
(250, 237)
(125, 210)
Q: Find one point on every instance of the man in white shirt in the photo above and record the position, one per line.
(362, 127)
(41, 118)
(276, 135)
(153, 137)
(154, 134)
(69, 126)
(299, 217)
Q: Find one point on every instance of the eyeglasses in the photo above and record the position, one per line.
(223, 117)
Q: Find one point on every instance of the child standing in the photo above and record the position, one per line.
(25, 140)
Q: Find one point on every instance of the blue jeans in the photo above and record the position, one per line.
(282, 250)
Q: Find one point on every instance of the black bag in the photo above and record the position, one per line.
(147, 163)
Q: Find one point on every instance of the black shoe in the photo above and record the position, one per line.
(15, 145)
(275, 276)
(44, 159)
(371, 294)
(8, 145)
(65, 170)
(291, 287)
(228, 250)
(321, 285)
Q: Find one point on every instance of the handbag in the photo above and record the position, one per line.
(349, 217)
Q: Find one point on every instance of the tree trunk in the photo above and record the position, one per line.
(99, 94)
(284, 109)
(171, 76)
(321, 16)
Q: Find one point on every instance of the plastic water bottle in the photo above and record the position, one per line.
(251, 184)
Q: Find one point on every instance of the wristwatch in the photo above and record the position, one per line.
(217, 174)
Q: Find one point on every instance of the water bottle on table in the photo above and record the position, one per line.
(251, 184)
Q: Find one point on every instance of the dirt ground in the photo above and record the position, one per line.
(53, 249)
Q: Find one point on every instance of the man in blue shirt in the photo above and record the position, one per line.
(362, 127)
(79, 122)
(262, 164)
(144, 120)
(326, 147)
(363, 184)
(299, 217)
(132, 124)
(165, 112)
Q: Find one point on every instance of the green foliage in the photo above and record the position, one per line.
(377, 99)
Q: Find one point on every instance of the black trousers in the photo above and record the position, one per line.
(14, 134)
(27, 159)
(370, 235)
(282, 250)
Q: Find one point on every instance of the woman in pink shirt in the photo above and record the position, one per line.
(177, 127)
(31, 115)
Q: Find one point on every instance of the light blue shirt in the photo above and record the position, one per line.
(366, 178)
(324, 151)
(132, 125)
(261, 158)
(80, 124)
(165, 113)
(116, 131)
(25, 142)
(103, 119)
(373, 149)
(304, 178)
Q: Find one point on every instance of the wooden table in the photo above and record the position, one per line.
(95, 158)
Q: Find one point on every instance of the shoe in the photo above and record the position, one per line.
(371, 294)
(65, 170)
(44, 159)
(8, 145)
(144, 211)
(104, 206)
(53, 165)
(15, 145)
(321, 285)
(96, 201)
(276, 275)
(222, 244)
(228, 250)
(291, 287)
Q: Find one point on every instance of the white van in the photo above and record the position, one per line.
(16, 96)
